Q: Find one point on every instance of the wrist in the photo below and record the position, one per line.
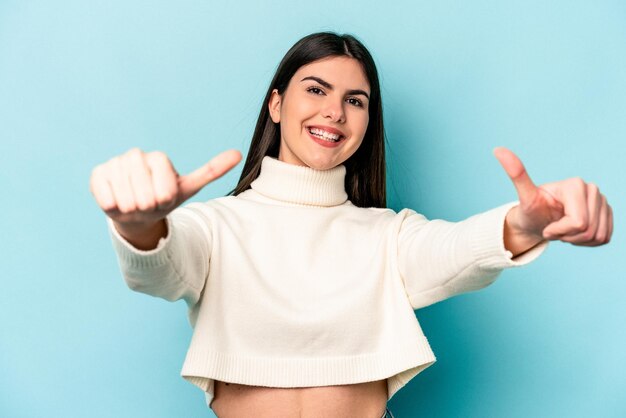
(142, 236)
(516, 239)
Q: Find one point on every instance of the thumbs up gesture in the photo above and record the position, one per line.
(569, 210)
(137, 189)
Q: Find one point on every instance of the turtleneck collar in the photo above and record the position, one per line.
(299, 184)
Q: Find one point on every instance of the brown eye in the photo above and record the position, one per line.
(315, 90)
(355, 102)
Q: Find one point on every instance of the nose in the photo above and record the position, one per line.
(334, 111)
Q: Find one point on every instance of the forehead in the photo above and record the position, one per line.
(341, 72)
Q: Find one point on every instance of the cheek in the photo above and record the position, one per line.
(362, 124)
(360, 131)
(298, 110)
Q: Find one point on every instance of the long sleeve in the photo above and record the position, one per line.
(178, 267)
(439, 259)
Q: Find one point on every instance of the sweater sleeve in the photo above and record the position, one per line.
(178, 267)
(439, 259)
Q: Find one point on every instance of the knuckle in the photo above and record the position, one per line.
(159, 156)
(166, 197)
(96, 170)
(588, 235)
(98, 174)
(145, 206)
(580, 225)
(134, 151)
(127, 209)
(165, 201)
(111, 209)
(116, 162)
(132, 156)
(577, 181)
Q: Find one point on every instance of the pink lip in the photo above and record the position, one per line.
(323, 143)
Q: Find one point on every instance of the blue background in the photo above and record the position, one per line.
(81, 82)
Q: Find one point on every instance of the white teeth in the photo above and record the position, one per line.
(322, 134)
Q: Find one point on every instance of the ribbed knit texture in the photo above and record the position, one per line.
(301, 185)
(290, 285)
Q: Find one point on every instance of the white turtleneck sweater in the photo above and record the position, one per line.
(289, 284)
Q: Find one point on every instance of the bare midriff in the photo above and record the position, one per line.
(363, 400)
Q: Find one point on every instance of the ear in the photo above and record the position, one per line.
(274, 106)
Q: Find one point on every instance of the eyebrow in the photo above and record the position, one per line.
(330, 86)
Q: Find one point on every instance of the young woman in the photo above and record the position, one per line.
(301, 284)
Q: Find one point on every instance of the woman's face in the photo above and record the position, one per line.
(323, 113)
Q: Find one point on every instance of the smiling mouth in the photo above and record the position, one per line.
(325, 136)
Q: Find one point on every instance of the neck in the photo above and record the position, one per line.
(303, 185)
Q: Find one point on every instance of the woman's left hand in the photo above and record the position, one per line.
(569, 210)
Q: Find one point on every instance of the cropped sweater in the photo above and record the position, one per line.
(289, 284)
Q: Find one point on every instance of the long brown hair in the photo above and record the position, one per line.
(365, 169)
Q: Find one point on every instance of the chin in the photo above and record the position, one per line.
(322, 165)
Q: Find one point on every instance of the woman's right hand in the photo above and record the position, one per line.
(137, 190)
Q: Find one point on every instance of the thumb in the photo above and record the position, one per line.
(193, 182)
(526, 189)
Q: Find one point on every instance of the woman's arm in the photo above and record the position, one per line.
(163, 249)
(178, 266)
(439, 259)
